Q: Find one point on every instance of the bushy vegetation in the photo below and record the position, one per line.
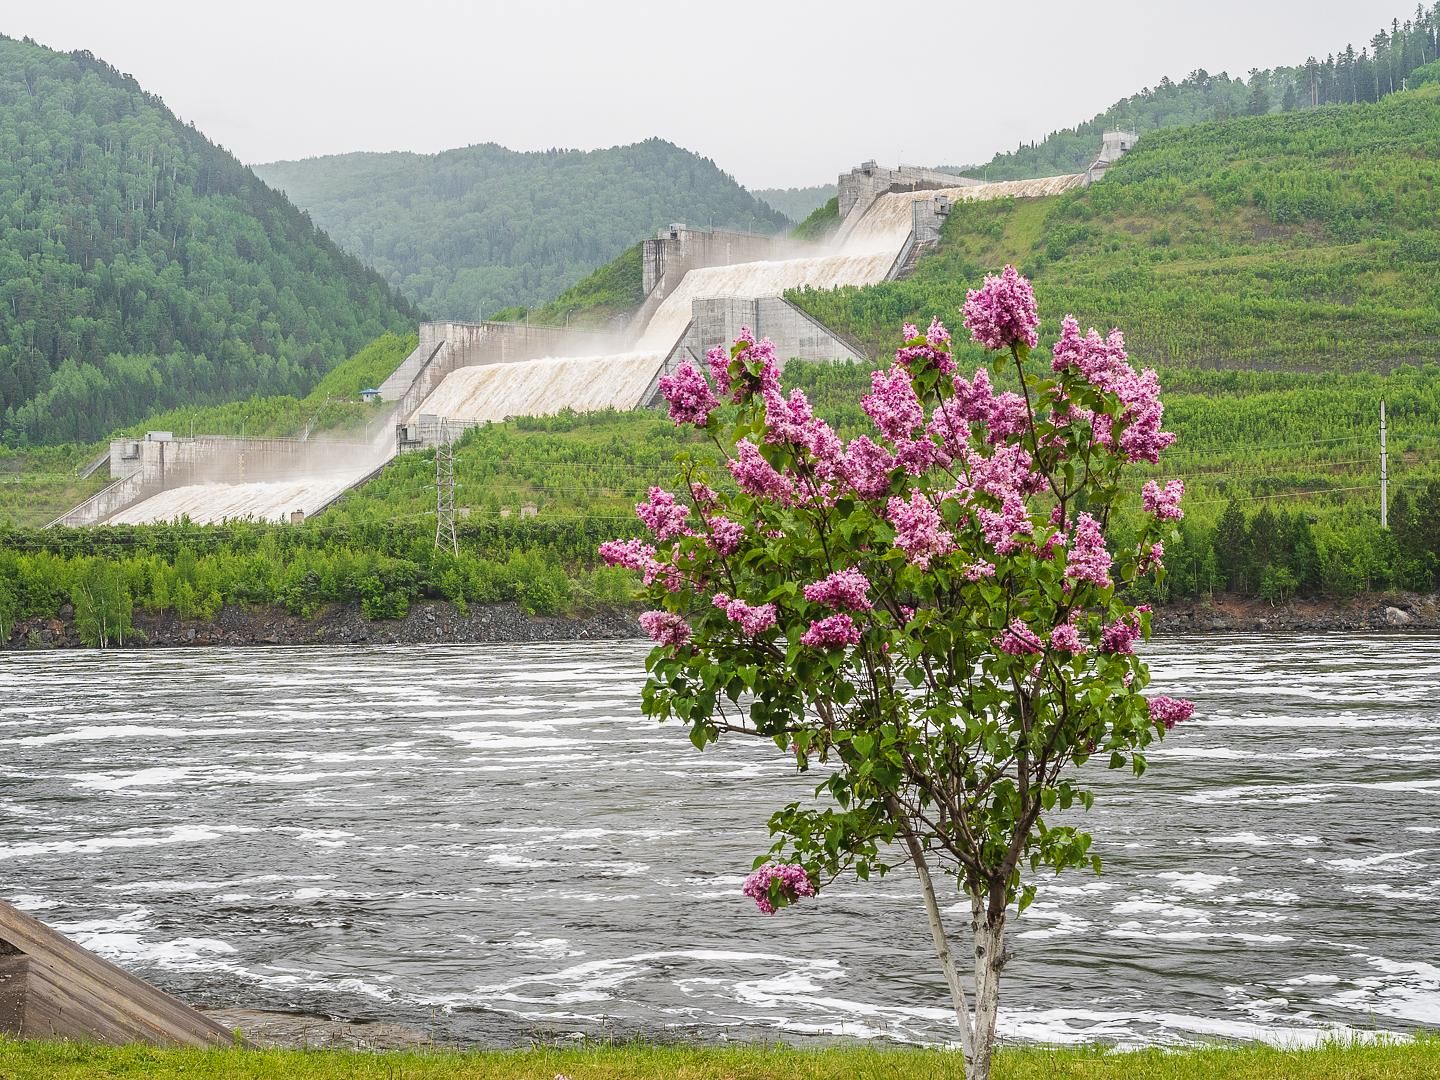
(468, 232)
(1307, 241)
(1282, 471)
(823, 221)
(1400, 55)
(142, 267)
(612, 291)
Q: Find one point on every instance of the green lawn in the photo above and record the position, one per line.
(60, 1061)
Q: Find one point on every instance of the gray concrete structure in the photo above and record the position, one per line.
(865, 183)
(795, 334)
(676, 250)
(1113, 146)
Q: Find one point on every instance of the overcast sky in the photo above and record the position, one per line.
(778, 93)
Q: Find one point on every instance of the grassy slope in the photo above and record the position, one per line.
(40, 1061)
(1308, 241)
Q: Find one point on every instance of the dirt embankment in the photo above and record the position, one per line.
(440, 622)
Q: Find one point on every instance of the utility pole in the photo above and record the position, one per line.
(1384, 474)
(445, 537)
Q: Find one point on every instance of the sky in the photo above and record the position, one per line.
(779, 93)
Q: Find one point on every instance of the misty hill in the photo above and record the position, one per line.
(797, 203)
(466, 232)
(142, 266)
(1381, 66)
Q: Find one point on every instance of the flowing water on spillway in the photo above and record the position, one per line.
(493, 840)
(862, 255)
(328, 469)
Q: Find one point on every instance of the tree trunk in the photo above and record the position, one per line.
(989, 959)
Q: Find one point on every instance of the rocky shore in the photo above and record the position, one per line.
(439, 622)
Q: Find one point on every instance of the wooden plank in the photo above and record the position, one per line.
(70, 993)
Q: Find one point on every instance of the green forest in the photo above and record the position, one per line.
(467, 232)
(796, 203)
(1398, 56)
(143, 267)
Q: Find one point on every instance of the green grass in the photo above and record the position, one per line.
(1300, 242)
(60, 1061)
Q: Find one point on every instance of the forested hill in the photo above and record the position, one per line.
(466, 232)
(1381, 66)
(142, 266)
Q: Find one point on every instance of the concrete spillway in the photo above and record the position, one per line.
(261, 480)
(863, 255)
(493, 392)
(486, 372)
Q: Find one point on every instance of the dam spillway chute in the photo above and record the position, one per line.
(702, 286)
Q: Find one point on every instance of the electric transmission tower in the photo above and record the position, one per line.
(445, 491)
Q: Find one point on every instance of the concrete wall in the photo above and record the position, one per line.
(448, 346)
(865, 183)
(718, 322)
(677, 250)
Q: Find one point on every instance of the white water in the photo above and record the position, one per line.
(333, 468)
(861, 255)
(493, 841)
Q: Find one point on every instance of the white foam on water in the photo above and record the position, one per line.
(128, 838)
(158, 776)
(1386, 863)
(1196, 881)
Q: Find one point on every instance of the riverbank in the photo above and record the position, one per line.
(69, 1061)
(434, 622)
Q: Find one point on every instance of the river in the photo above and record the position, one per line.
(492, 843)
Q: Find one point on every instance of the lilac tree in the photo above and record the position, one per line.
(929, 617)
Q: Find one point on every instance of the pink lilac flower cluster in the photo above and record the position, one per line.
(1152, 558)
(790, 420)
(631, 554)
(662, 515)
(1018, 639)
(919, 531)
(934, 353)
(977, 570)
(1066, 636)
(1170, 711)
(691, 401)
(725, 535)
(640, 556)
(1120, 636)
(758, 477)
(753, 619)
(792, 881)
(665, 628)
(742, 388)
(1001, 529)
(831, 632)
(1104, 364)
(847, 589)
(892, 404)
(866, 466)
(1002, 311)
(1008, 417)
(1164, 502)
(1087, 559)
(974, 397)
